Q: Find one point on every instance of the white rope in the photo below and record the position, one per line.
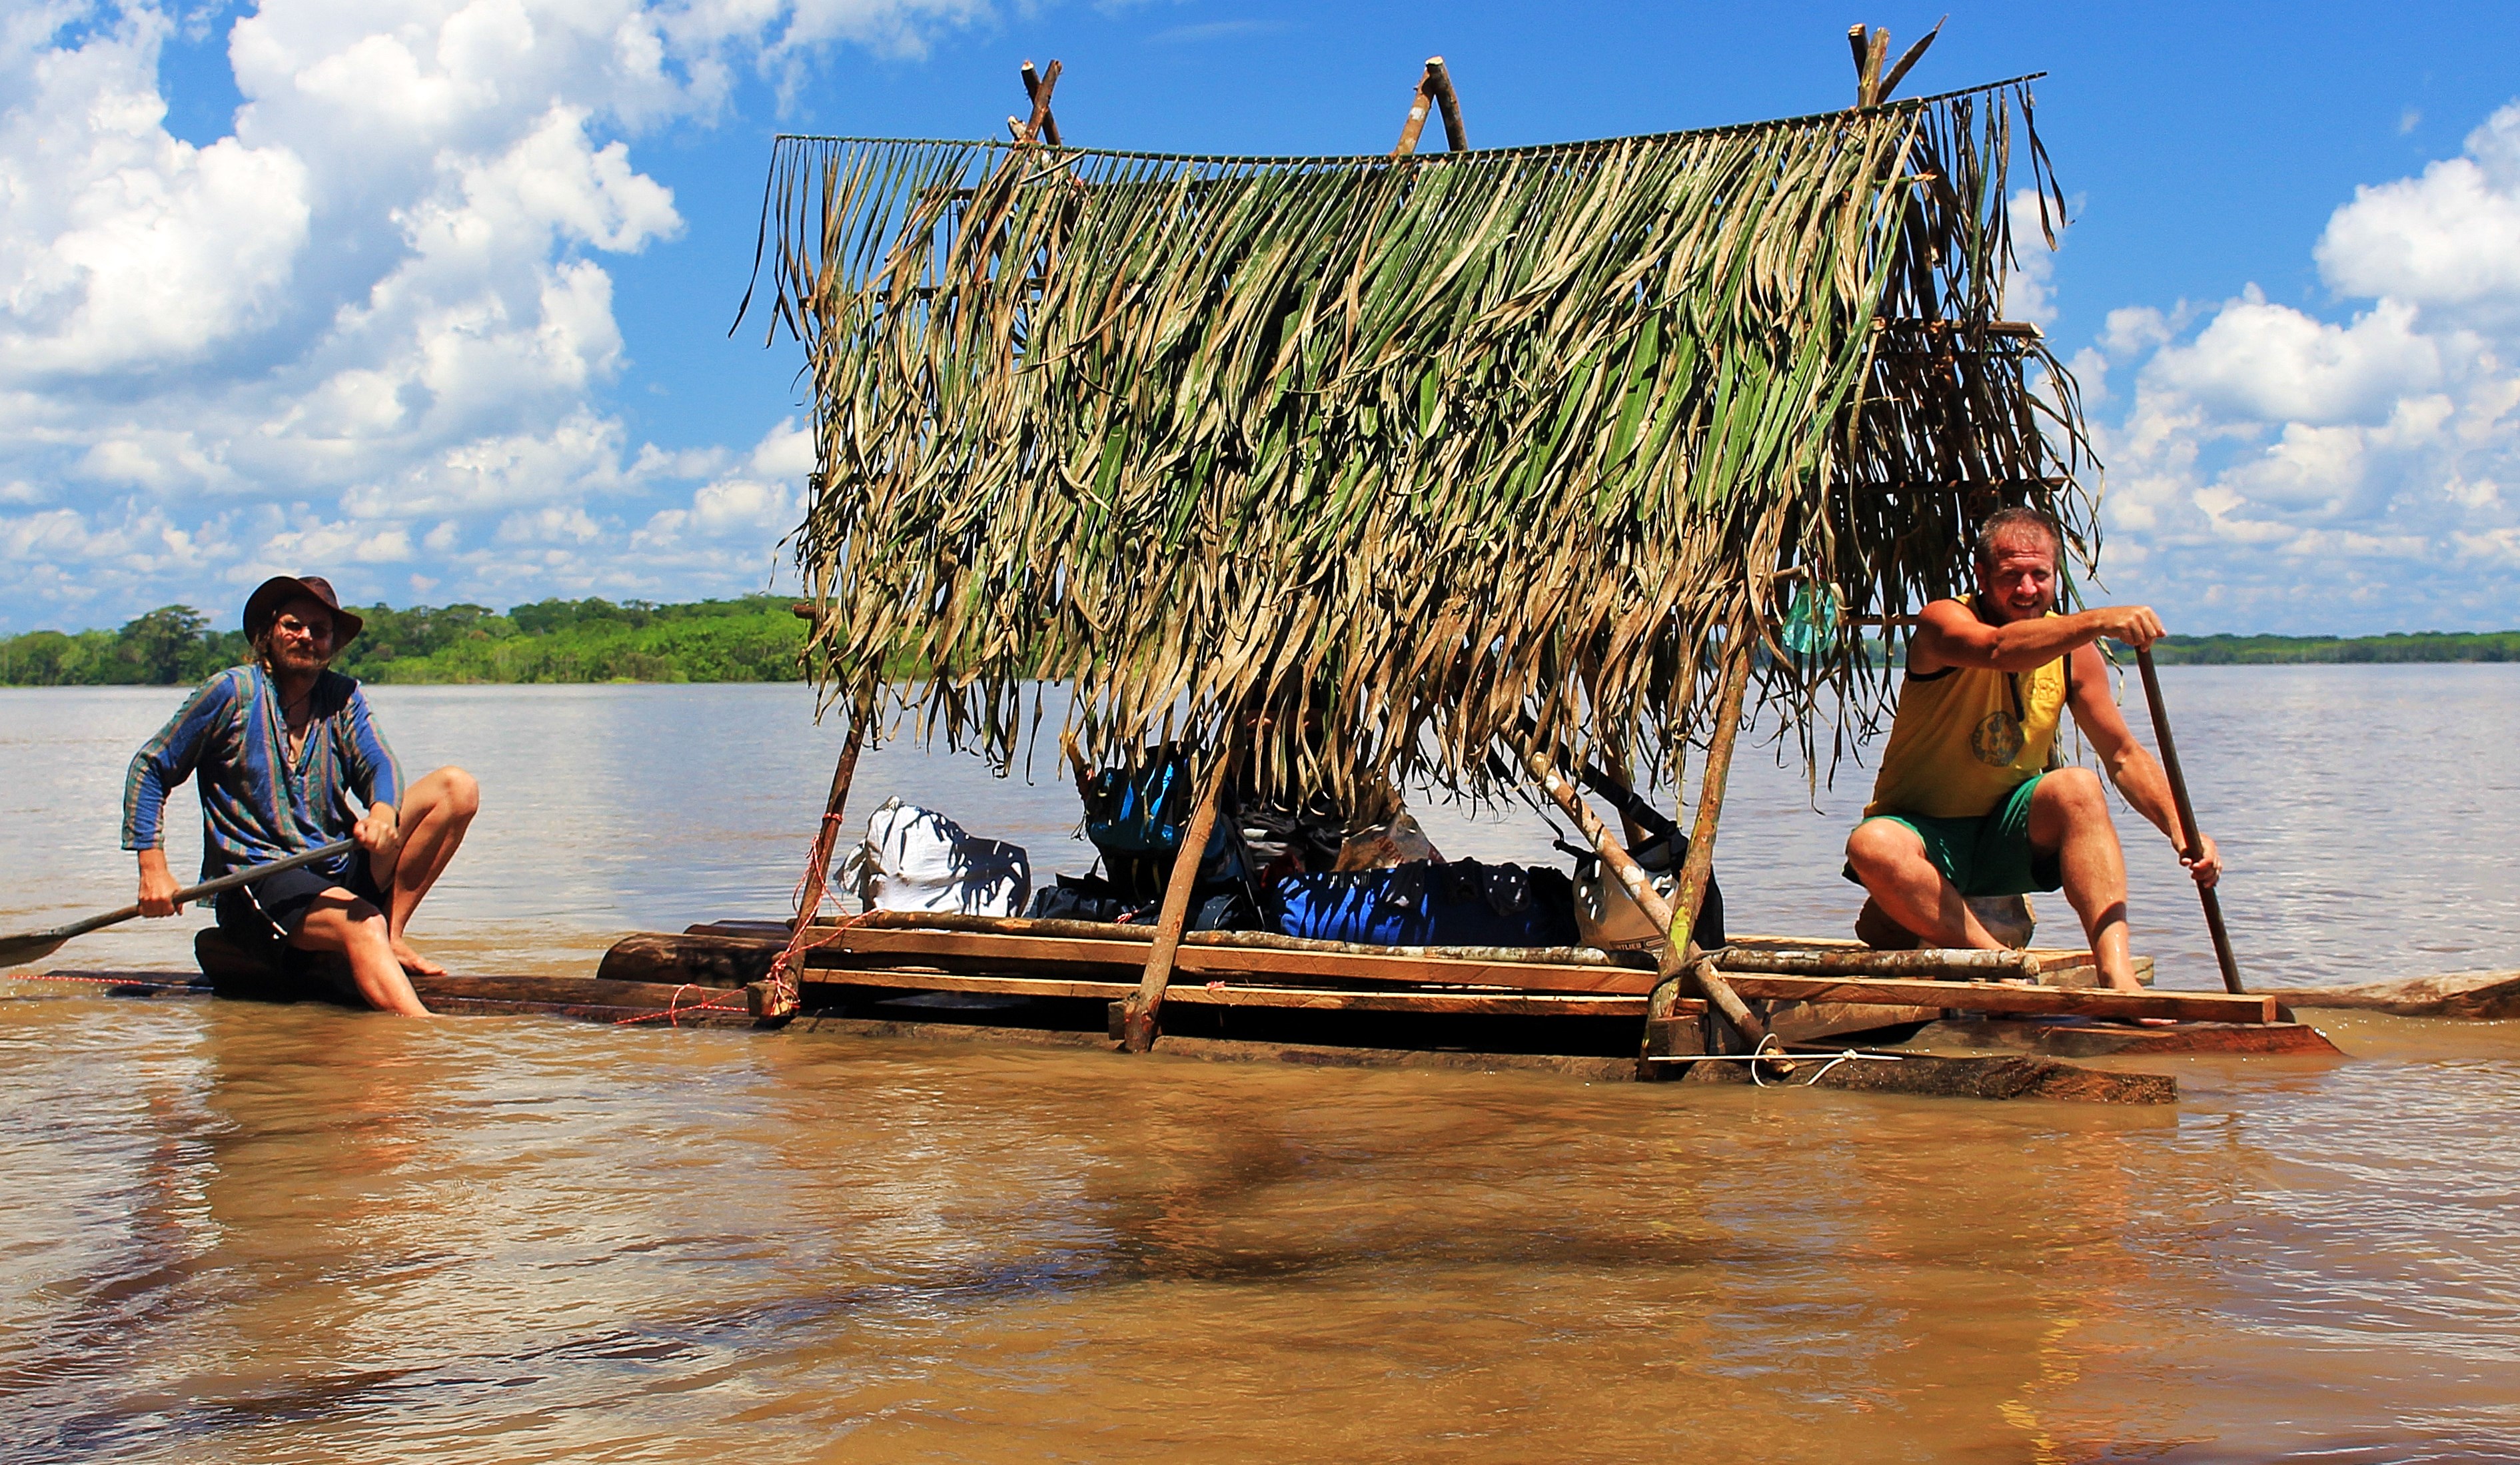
(1763, 1054)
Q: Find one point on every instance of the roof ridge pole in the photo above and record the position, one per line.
(1680, 956)
(1138, 1028)
(1641, 889)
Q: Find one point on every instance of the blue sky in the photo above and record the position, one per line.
(433, 294)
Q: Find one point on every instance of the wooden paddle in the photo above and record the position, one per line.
(18, 951)
(2192, 840)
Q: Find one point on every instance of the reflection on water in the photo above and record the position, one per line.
(244, 1233)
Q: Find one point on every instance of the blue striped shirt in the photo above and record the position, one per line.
(255, 806)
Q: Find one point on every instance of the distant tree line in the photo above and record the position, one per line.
(756, 639)
(2269, 650)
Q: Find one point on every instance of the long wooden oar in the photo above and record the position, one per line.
(18, 951)
(2193, 839)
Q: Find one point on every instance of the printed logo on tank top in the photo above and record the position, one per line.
(1996, 739)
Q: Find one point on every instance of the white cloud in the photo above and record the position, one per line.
(374, 325)
(2029, 282)
(2278, 470)
(122, 247)
(2447, 243)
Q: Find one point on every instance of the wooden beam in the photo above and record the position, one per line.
(1420, 102)
(1679, 955)
(1147, 1007)
(2005, 997)
(1037, 87)
(1938, 965)
(1439, 81)
(1640, 887)
(778, 997)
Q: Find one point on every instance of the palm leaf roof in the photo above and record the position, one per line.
(1388, 461)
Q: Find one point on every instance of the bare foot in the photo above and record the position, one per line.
(414, 962)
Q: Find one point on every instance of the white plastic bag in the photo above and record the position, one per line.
(915, 858)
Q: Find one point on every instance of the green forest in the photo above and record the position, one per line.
(756, 639)
(2269, 650)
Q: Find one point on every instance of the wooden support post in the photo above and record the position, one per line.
(1434, 93)
(1640, 887)
(1042, 126)
(1139, 1021)
(776, 994)
(1680, 956)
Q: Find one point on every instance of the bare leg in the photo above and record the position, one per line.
(436, 811)
(1890, 859)
(2070, 818)
(339, 921)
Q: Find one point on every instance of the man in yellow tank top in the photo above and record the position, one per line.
(1966, 803)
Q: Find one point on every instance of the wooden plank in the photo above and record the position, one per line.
(1225, 994)
(1207, 961)
(2080, 1040)
(2007, 997)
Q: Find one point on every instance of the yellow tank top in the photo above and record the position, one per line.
(1964, 738)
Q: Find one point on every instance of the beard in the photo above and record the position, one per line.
(297, 660)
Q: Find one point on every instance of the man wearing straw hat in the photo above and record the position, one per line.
(1970, 800)
(281, 744)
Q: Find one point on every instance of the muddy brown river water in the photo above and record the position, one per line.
(234, 1233)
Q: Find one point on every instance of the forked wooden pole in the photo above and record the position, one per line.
(1680, 953)
(1139, 1023)
(1434, 93)
(1037, 87)
(2192, 840)
(1641, 889)
(1041, 126)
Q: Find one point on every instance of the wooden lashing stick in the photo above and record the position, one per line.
(1640, 887)
(777, 995)
(2191, 839)
(1041, 127)
(1434, 92)
(1679, 955)
(1139, 1023)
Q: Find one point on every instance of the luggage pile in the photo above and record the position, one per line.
(1307, 870)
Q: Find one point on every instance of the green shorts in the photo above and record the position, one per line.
(1990, 855)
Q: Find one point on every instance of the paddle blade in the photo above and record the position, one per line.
(18, 951)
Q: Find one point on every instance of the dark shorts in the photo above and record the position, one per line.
(270, 911)
(1990, 855)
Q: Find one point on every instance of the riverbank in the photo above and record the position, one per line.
(754, 638)
(759, 639)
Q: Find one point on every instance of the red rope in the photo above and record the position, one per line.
(101, 980)
(674, 1009)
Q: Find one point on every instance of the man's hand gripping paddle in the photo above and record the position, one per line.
(18, 951)
(2194, 841)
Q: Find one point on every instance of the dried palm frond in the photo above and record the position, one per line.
(1386, 459)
